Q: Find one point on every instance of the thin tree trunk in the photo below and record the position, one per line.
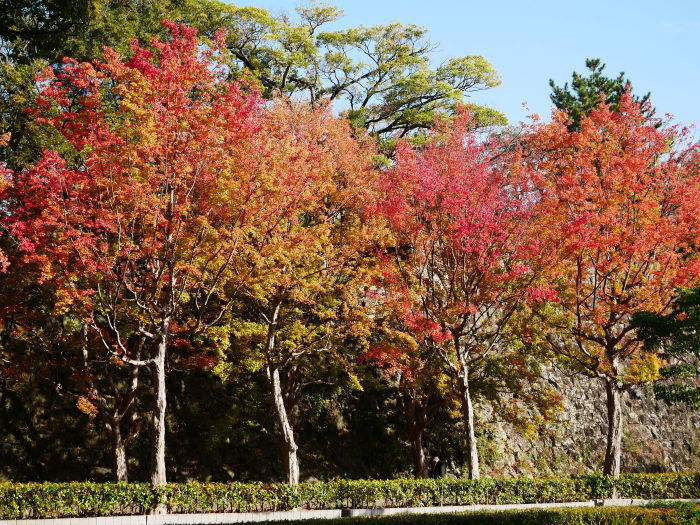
(289, 445)
(122, 417)
(113, 420)
(468, 413)
(613, 450)
(158, 469)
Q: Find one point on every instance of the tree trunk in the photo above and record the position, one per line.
(158, 469)
(613, 450)
(122, 417)
(468, 413)
(119, 455)
(419, 464)
(415, 421)
(289, 445)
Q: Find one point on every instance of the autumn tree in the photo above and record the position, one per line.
(619, 207)
(56, 346)
(458, 220)
(307, 264)
(138, 229)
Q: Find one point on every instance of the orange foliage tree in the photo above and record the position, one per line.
(620, 211)
(307, 264)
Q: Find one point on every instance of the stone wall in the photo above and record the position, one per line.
(657, 437)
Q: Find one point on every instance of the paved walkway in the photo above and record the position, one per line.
(251, 517)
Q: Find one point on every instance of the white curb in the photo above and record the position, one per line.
(293, 515)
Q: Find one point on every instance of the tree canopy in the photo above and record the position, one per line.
(586, 93)
(197, 229)
(381, 75)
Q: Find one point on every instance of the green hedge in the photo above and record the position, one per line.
(686, 515)
(57, 500)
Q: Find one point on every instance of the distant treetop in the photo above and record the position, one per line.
(585, 93)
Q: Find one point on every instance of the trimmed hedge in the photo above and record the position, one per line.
(63, 500)
(58, 500)
(687, 515)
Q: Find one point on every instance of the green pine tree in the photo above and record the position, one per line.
(585, 93)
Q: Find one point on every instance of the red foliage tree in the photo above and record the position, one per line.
(620, 211)
(138, 229)
(459, 220)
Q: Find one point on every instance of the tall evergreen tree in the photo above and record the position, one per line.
(585, 93)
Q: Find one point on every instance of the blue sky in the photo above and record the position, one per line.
(656, 44)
